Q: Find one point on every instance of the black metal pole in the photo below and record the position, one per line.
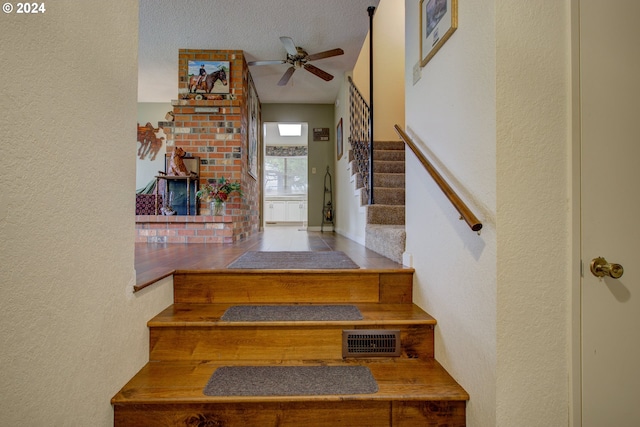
(371, 10)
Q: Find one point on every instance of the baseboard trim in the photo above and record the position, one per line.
(318, 228)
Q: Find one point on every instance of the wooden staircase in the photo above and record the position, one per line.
(188, 342)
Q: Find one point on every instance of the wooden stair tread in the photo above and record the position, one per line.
(208, 315)
(183, 383)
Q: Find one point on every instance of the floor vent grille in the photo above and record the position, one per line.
(370, 343)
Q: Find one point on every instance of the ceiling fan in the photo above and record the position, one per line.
(299, 58)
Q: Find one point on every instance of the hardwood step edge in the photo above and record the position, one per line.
(183, 382)
(155, 279)
(351, 271)
(209, 315)
(345, 324)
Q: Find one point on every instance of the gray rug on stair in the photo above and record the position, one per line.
(290, 381)
(302, 260)
(270, 313)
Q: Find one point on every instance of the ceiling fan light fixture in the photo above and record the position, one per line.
(298, 58)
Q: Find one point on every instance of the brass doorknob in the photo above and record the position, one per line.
(600, 268)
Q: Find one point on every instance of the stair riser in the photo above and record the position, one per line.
(387, 196)
(396, 155)
(385, 214)
(388, 167)
(359, 181)
(389, 180)
(383, 199)
(371, 413)
(387, 241)
(388, 145)
(258, 288)
(239, 344)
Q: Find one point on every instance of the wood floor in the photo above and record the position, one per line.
(156, 261)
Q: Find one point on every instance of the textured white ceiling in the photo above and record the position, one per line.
(253, 26)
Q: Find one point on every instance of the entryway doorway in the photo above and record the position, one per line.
(285, 173)
(610, 291)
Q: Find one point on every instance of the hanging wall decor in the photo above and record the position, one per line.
(253, 107)
(339, 145)
(208, 77)
(438, 21)
(320, 134)
(150, 143)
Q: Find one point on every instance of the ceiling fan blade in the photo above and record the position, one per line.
(318, 72)
(289, 45)
(275, 62)
(325, 54)
(287, 75)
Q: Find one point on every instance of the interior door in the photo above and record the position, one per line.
(610, 108)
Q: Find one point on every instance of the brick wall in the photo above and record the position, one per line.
(186, 229)
(215, 127)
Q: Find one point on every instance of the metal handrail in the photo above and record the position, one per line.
(360, 136)
(461, 207)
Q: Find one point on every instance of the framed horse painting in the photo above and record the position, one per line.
(438, 21)
(208, 77)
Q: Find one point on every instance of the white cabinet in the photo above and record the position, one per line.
(276, 210)
(296, 210)
(285, 211)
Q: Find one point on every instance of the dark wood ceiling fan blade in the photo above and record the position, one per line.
(318, 72)
(289, 45)
(274, 62)
(325, 54)
(287, 75)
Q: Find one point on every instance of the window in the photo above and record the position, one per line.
(285, 176)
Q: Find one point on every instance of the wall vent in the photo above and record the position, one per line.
(371, 343)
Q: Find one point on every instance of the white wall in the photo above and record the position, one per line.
(491, 110)
(71, 331)
(388, 57)
(451, 110)
(533, 101)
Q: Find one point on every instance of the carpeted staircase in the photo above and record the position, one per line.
(385, 231)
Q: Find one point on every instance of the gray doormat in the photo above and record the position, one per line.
(290, 381)
(296, 312)
(303, 260)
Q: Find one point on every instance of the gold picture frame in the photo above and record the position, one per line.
(339, 144)
(253, 110)
(438, 21)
